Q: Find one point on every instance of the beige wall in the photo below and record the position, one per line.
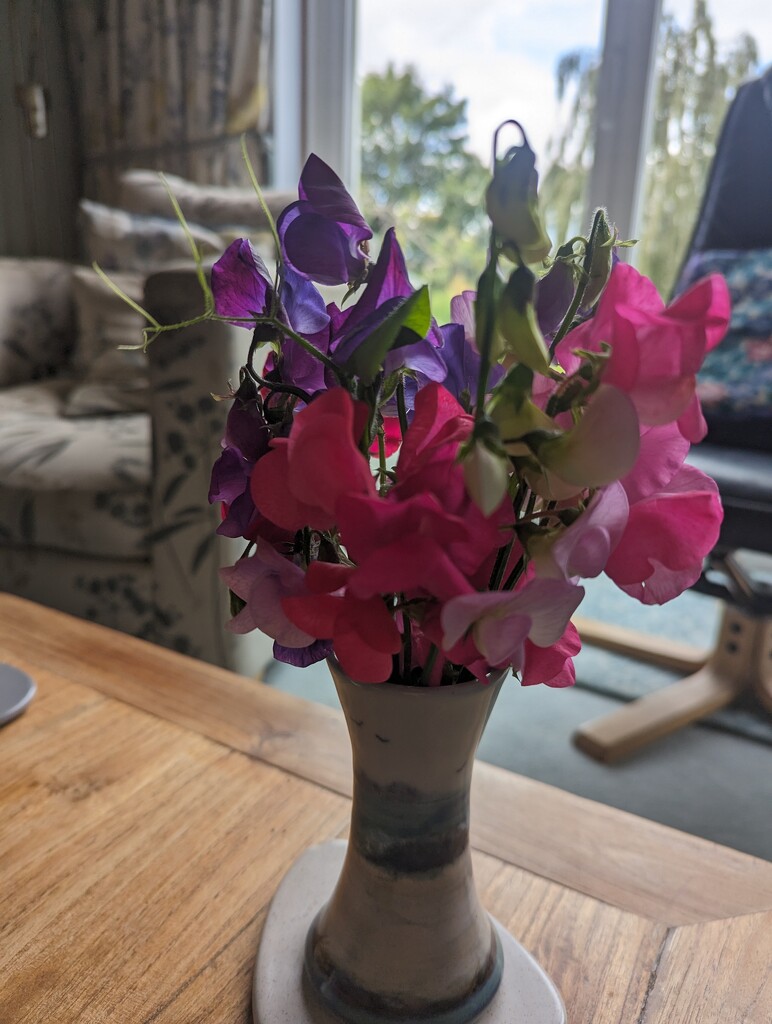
(38, 177)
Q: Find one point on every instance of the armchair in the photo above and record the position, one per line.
(733, 236)
(105, 516)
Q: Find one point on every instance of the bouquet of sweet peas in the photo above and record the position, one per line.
(421, 501)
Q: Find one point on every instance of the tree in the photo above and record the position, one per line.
(694, 83)
(418, 175)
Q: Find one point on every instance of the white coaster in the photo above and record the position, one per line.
(526, 994)
(16, 691)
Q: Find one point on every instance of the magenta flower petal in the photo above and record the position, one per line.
(667, 537)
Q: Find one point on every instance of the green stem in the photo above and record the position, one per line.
(429, 665)
(515, 575)
(401, 407)
(486, 299)
(382, 461)
(500, 565)
(407, 648)
(576, 302)
(312, 350)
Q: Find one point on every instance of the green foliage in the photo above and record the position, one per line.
(418, 175)
(695, 81)
(693, 86)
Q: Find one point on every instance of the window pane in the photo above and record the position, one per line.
(705, 51)
(427, 132)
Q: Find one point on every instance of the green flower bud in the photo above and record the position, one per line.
(519, 334)
(600, 263)
(486, 476)
(513, 207)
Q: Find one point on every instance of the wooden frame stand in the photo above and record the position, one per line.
(742, 659)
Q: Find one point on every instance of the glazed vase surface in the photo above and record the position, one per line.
(404, 936)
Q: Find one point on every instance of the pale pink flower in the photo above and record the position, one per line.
(501, 621)
(262, 580)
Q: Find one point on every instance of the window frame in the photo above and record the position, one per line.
(315, 97)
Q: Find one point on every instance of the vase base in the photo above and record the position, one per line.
(526, 994)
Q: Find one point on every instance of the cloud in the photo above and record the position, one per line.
(498, 54)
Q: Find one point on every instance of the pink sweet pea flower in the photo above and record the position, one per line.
(552, 666)
(298, 483)
(439, 422)
(262, 580)
(656, 350)
(427, 537)
(501, 621)
(364, 634)
(667, 536)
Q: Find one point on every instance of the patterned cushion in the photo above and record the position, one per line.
(40, 450)
(735, 383)
(36, 324)
(118, 240)
(216, 207)
(115, 380)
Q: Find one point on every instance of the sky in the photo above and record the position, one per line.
(500, 55)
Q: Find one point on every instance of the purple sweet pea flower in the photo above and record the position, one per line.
(302, 657)
(246, 440)
(554, 293)
(242, 289)
(463, 363)
(323, 235)
(241, 284)
(387, 284)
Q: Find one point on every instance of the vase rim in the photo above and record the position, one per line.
(451, 691)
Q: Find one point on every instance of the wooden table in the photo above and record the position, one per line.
(150, 805)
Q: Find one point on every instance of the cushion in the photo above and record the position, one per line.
(36, 323)
(735, 382)
(41, 450)
(216, 207)
(118, 240)
(115, 380)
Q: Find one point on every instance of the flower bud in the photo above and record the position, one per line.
(600, 264)
(512, 204)
(486, 476)
(518, 328)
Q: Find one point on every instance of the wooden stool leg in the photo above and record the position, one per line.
(733, 666)
(633, 643)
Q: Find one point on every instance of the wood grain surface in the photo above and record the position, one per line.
(150, 806)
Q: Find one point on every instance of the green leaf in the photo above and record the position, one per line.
(407, 324)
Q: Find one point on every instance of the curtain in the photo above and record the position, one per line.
(171, 85)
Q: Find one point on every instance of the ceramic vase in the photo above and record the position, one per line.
(401, 937)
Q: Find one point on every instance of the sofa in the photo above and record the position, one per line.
(105, 453)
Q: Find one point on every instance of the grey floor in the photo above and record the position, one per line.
(703, 779)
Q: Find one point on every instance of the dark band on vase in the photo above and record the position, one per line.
(348, 1000)
(431, 836)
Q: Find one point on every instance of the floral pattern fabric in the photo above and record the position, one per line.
(36, 338)
(735, 383)
(106, 517)
(169, 84)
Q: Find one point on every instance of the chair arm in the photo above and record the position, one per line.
(37, 329)
(186, 367)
